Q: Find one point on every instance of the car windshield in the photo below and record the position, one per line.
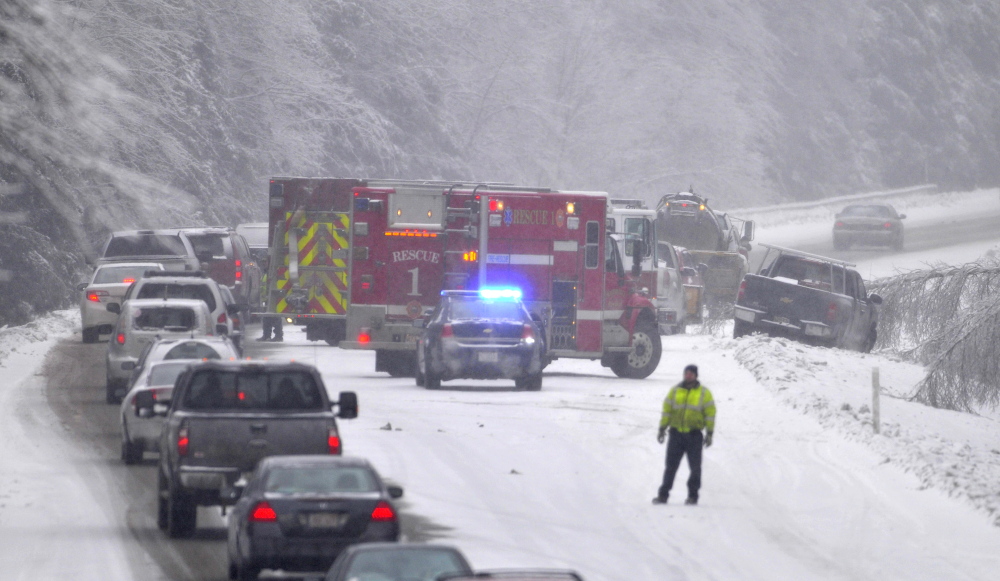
(404, 565)
(146, 245)
(867, 211)
(192, 350)
(122, 274)
(251, 390)
(208, 244)
(165, 373)
(171, 290)
(166, 318)
(319, 480)
(485, 309)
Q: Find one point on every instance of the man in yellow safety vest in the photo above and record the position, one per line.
(687, 410)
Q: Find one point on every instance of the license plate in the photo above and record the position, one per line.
(325, 520)
(489, 357)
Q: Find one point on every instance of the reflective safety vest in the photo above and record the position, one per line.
(688, 409)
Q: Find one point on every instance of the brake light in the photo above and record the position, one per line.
(831, 312)
(365, 336)
(496, 205)
(333, 442)
(743, 288)
(383, 512)
(182, 441)
(95, 296)
(221, 319)
(120, 338)
(263, 513)
(239, 263)
(128, 280)
(365, 285)
(838, 224)
(888, 224)
(239, 275)
(447, 331)
(528, 334)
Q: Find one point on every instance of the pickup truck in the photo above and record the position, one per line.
(808, 298)
(224, 417)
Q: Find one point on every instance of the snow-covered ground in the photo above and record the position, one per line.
(797, 485)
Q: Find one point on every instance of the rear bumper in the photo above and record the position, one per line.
(460, 361)
(207, 478)
(270, 548)
(870, 236)
(758, 318)
(667, 321)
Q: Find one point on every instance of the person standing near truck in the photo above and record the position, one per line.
(687, 410)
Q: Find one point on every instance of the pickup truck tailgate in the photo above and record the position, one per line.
(785, 302)
(241, 440)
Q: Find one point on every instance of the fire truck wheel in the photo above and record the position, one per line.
(641, 361)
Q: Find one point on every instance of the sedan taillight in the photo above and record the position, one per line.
(96, 296)
(120, 338)
(383, 512)
(447, 331)
(528, 334)
(263, 513)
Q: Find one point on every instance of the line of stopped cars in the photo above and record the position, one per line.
(261, 437)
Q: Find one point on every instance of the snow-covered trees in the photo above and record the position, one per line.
(948, 318)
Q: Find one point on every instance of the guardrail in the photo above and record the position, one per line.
(837, 201)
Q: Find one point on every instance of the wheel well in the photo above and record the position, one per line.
(645, 317)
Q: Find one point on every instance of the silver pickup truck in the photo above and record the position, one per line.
(224, 417)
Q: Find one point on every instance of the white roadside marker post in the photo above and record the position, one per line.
(875, 399)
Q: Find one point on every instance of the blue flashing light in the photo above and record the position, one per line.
(500, 293)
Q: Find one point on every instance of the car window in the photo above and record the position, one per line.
(166, 318)
(404, 565)
(165, 373)
(146, 245)
(112, 274)
(192, 350)
(208, 244)
(170, 290)
(247, 390)
(463, 309)
(805, 272)
(666, 255)
(320, 480)
(868, 212)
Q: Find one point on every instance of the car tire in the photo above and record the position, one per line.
(870, 340)
(529, 382)
(162, 508)
(642, 360)
(131, 451)
(90, 335)
(432, 381)
(182, 513)
(246, 572)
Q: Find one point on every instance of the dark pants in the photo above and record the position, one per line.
(272, 324)
(678, 445)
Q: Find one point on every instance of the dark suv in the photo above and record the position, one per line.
(226, 258)
(485, 334)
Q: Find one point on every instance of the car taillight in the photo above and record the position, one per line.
(365, 336)
(222, 319)
(182, 441)
(447, 331)
(383, 512)
(743, 288)
(95, 296)
(128, 280)
(888, 224)
(838, 224)
(263, 513)
(120, 338)
(333, 441)
(831, 312)
(528, 334)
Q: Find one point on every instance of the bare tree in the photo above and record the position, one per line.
(947, 317)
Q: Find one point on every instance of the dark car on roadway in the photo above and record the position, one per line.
(484, 334)
(868, 224)
(398, 562)
(297, 513)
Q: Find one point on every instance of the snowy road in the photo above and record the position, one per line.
(794, 488)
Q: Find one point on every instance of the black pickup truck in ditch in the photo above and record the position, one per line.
(224, 417)
(808, 298)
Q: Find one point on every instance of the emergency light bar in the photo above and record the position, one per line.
(500, 293)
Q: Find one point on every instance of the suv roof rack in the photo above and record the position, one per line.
(175, 273)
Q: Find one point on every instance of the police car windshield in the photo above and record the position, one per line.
(476, 308)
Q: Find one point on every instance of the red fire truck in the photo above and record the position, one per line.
(410, 241)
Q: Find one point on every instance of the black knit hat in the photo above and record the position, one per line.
(692, 368)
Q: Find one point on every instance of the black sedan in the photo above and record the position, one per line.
(297, 513)
(398, 562)
(868, 224)
(485, 334)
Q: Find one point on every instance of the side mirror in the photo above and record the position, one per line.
(688, 271)
(875, 299)
(113, 308)
(348, 404)
(82, 286)
(231, 493)
(902, 216)
(395, 491)
(748, 230)
(144, 403)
